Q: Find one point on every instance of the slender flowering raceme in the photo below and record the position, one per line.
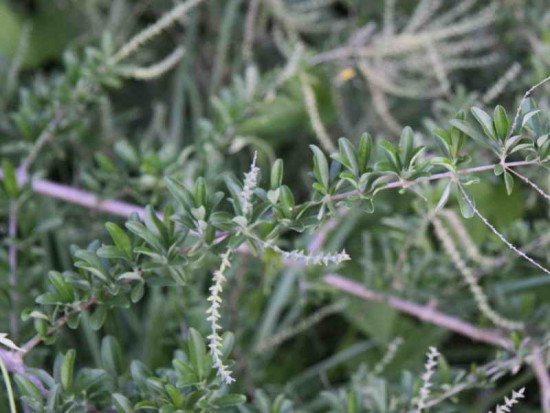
(315, 117)
(479, 296)
(154, 30)
(509, 402)
(215, 340)
(158, 69)
(308, 259)
(303, 325)
(466, 241)
(388, 357)
(433, 359)
(250, 183)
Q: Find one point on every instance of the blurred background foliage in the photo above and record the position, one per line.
(242, 86)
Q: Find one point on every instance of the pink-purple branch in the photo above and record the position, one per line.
(124, 209)
(85, 199)
(422, 312)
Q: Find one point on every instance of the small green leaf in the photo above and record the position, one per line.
(65, 290)
(277, 174)
(67, 369)
(228, 341)
(197, 353)
(41, 326)
(287, 201)
(485, 121)
(509, 181)
(73, 321)
(393, 161)
(348, 155)
(320, 167)
(187, 376)
(27, 387)
(200, 192)
(502, 122)
(111, 253)
(137, 292)
(111, 356)
(10, 179)
(352, 402)
(120, 238)
(406, 146)
(229, 400)
(139, 229)
(465, 208)
(122, 404)
(49, 299)
(364, 151)
(443, 141)
(175, 395)
(469, 130)
(181, 193)
(444, 196)
(98, 317)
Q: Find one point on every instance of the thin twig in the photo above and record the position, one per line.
(522, 102)
(422, 312)
(37, 339)
(530, 183)
(498, 234)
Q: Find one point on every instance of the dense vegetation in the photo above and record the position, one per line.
(184, 230)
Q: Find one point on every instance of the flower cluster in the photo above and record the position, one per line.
(250, 183)
(309, 259)
(388, 357)
(433, 359)
(509, 402)
(215, 340)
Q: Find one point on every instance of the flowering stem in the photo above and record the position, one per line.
(479, 296)
(150, 32)
(215, 340)
(432, 362)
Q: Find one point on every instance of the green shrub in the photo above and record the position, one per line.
(184, 233)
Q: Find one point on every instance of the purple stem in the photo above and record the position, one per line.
(84, 198)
